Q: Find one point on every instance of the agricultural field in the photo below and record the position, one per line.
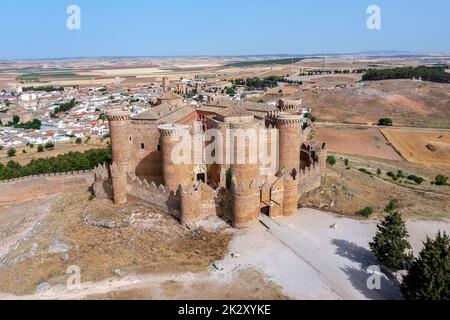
(357, 141)
(428, 147)
(409, 103)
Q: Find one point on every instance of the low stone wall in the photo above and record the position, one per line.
(40, 185)
(49, 175)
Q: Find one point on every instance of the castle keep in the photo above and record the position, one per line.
(239, 187)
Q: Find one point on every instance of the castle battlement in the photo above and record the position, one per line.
(143, 168)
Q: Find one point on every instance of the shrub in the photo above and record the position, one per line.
(379, 172)
(390, 243)
(387, 122)
(79, 141)
(331, 160)
(441, 180)
(40, 148)
(49, 145)
(391, 207)
(429, 275)
(366, 212)
(416, 179)
(346, 162)
(11, 152)
(363, 170)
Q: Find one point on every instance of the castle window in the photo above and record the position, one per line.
(142, 146)
(159, 147)
(130, 138)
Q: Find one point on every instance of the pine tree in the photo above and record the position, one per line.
(429, 275)
(390, 245)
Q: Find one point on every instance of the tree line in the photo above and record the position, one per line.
(43, 88)
(64, 107)
(72, 161)
(433, 74)
(261, 84)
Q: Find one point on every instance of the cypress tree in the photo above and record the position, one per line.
(390, 244)
(429, 275)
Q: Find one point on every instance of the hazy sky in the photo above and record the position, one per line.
(37, 28)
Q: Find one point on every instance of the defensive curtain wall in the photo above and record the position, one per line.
(32, 186)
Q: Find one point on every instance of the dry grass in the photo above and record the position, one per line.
(153, 242)
(412, 144)
(346, 191)
(407, 102)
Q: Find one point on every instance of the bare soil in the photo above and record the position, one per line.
(145, 241)
(429, 147)
(365, 141)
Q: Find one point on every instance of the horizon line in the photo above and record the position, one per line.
(388, 53)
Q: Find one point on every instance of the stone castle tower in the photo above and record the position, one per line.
(119, 127)
(175, 172)
(246, 179)
(290, 130)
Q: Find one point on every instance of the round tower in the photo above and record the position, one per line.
(245, 170)
(190, 205)
(119, 128)
(290, 133)
(177, 162)
(291, 196)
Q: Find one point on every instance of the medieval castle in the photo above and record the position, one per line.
(143, 168)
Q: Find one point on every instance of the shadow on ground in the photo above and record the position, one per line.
(359, 276)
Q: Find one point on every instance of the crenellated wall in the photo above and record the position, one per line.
(310, 178)
(160, 196)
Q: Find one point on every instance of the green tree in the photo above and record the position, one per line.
(331, 160)
(49, 145)
(40, 148)
(16, 120)
(429, 275)
(230, 91)
(79, 141)
(390, 244)
(387, 122)
(11, 152)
